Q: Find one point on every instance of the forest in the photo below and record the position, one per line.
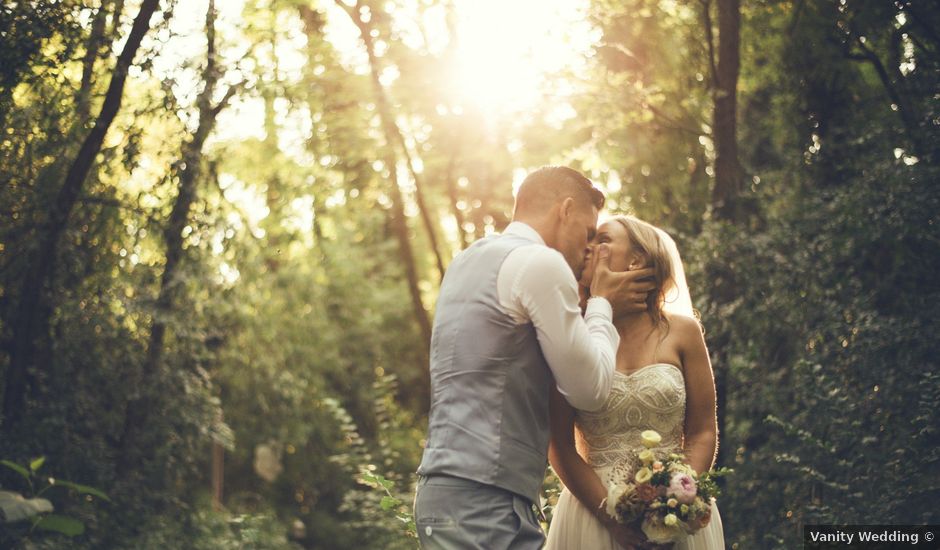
(223, 225)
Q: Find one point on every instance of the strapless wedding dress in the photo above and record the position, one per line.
(652, 398)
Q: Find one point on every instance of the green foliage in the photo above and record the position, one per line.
(14, 531)
(390, 503)
(827, 362)
(18, 469)
(209, 530)
(294, 331)
(708, 484)
(385, 508)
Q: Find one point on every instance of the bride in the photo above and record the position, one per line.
(664, 382)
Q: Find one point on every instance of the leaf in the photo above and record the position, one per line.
(69, 527)
(16, 468)
(389, 502)
(14, 507)
(36, 464)
(83, 489)
(382, 482)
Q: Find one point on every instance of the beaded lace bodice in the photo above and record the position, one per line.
(651, 398)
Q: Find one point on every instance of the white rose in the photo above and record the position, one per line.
(651, 438)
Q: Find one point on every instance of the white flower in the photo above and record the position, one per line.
(656, 532)
(614, 492)
(651, 438)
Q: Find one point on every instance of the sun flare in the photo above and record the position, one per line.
(510, 52)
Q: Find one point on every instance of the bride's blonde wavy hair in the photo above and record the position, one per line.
(647, 241)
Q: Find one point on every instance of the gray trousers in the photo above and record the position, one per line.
(452, 513)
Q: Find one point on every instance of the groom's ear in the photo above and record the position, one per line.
(566, 209)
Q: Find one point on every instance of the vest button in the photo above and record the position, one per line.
(428, 530)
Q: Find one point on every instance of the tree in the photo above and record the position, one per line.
(398, 220)
(30, 322)
(189, 173)
(728, 173)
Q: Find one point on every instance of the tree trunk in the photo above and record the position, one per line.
(726, 199)
(218, 475)
(728, 174)
(92, 51)
(904, 108)
(116, 18)
(452, 195)
(393, 134)
(313, 28)
(419, 196)
(189, 171)
(29, 324)
(399, 220)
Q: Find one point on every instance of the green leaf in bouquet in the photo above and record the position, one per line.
(36, 464)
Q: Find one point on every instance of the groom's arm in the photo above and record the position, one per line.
(579, 351)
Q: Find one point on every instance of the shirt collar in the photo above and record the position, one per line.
(524, 230)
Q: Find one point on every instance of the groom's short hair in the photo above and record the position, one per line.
(541, 189)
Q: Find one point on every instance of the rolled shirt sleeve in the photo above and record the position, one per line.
(580, 351)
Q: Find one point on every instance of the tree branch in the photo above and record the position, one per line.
(710, 40)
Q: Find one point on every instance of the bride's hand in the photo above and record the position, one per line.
(653, 546)
(631, 537)
(627, 536)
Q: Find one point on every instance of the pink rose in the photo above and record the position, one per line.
(682, 487)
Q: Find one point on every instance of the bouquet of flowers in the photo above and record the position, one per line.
(665, 495)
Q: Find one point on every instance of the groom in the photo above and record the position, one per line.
(507, 327)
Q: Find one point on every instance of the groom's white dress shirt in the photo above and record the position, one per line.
(535, 284)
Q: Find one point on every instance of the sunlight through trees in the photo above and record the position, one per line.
(224, 225)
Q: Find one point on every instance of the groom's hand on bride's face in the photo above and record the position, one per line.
(634, 289)
(625, 290)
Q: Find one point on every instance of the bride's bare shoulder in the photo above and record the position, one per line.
(683, 322)
(687, 330)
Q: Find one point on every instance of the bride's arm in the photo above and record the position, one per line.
(701, 422)
(577, 476)
(575, 473)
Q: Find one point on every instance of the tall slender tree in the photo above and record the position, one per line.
(189, 173)
(31, 320)
(394, 138)
(398, 219)
(729, 179)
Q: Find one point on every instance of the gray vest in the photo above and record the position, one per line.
(489, 380)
